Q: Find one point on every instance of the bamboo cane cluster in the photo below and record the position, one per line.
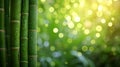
(18, 35)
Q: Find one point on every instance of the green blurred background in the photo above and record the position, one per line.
(79, 33)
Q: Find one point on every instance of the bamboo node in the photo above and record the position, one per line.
(15, 48)
(34, 30)
(2, 30)
(2, 48)
(24, 61)
(1, 9)
(33, 56)
(33, 5)
(24, 38)
(24, 13)
(15, 21)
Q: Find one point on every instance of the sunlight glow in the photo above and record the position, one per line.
(82, 3)
(109, 2)
(68, 7)
(79, 54)
(61, 35)
(77, 19)
(71, 25)
(51, 9)
(86, 31)
(55, 30)
(110, 24)
(89, 12)
(75, 5)
(43, 1)
(100, 8)
(112, 18)
(98, 28)
(103, 21)
(97, 35)
(68, 18)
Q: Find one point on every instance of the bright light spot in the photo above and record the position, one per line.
(103, 21)
(55, 30)
(51, 9)
(89, 12)
(66, 62)
(94, 6)
(99, 28)
(70, 25)
(109, 2)
(100, 8)
(68, 18)
(72, 1)
(110, 24)
(93, 41)
(61, 35)
(76, 18)
(56, 21)
(84, 48)
(52, 48)
(112, 18)
(43, 1)
(115, 0)
(97, 35)
(75, 5)
(46, 25)
(86, 31)
(91, 48)
(82, 3)
(79, 54)
(99, 1)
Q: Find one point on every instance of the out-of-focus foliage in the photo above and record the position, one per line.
(79, 33)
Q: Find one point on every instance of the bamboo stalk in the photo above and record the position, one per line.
(32, 34)
(24, 34)
(7, 30)
(2, 36)
(15, 31)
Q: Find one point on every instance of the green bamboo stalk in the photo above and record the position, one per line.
(2, 36)
(24, 34)
(32, 34)
(7, 30)
(15, 11)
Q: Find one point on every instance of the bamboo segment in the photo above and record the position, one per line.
(15, 31)
(24, 34)
(2, 36)
(7, 30)
(32, 34)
